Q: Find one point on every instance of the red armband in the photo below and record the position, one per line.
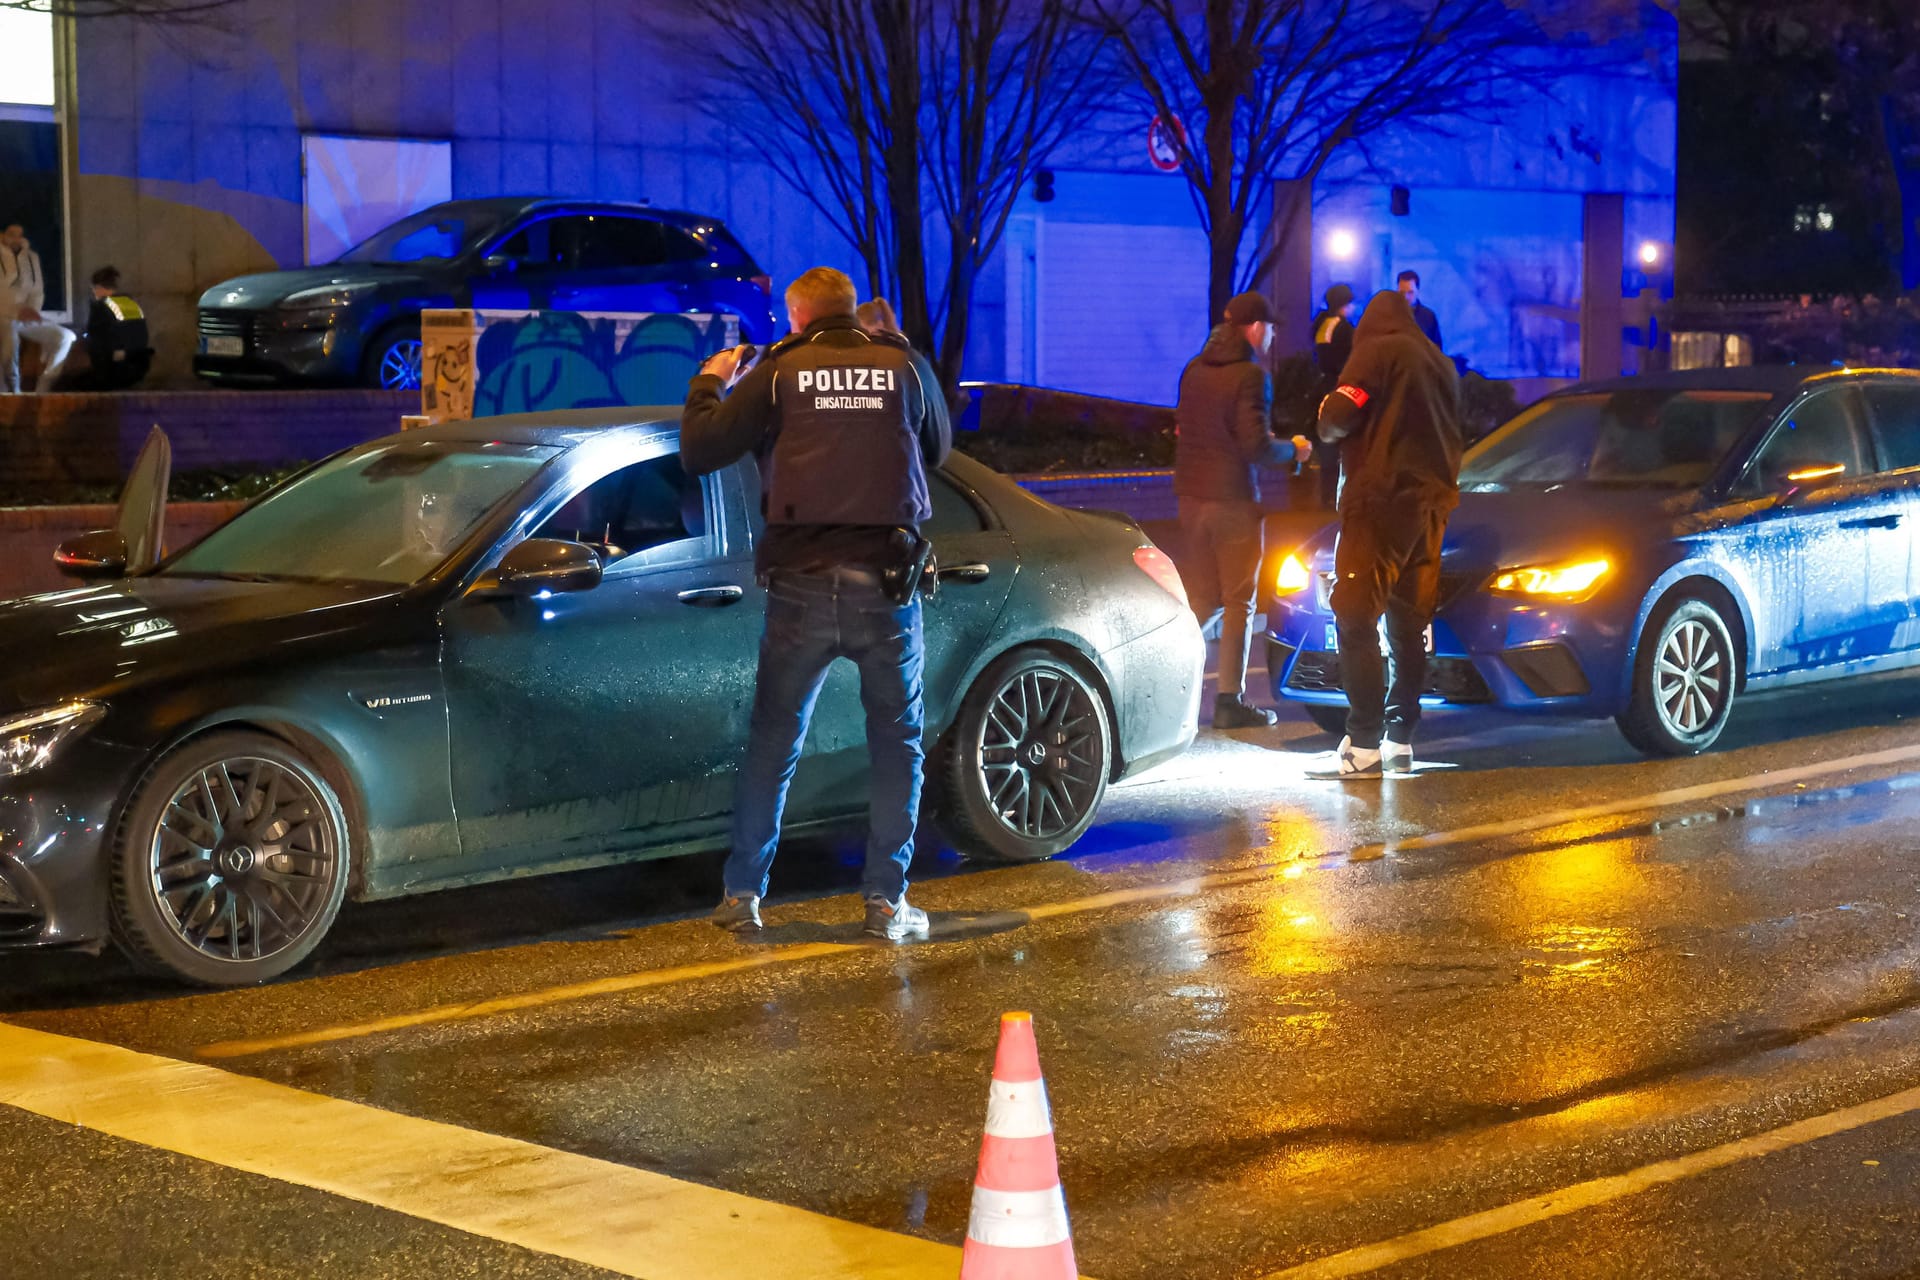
(1355, 394)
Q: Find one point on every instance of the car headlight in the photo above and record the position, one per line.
(1570, 580)
(326, 298)
(29, 741)
(1292, 577)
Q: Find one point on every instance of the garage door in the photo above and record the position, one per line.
(1120, 309)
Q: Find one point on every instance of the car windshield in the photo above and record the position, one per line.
(433, 235)
(1655, 438)
(387, 514)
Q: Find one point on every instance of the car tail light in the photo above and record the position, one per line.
(765, 283)
(1156, 564)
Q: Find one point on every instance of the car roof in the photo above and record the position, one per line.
(514, 206)
(1774, 379)
(563, 428)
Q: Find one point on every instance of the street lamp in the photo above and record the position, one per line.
(1343, 245)
(1649, 253)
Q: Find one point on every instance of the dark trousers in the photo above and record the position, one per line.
(1222, 574)
(1326, 458)
(1387, 560)
(812, 620)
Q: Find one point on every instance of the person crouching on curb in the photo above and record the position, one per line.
(1224, 433)
(846, 493)
(1397, 411)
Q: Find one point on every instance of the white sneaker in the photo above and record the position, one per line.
(1396, 757)
(1349, 762)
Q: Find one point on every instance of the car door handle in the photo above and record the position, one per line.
(1873, 522)
(974, 572)
(712, 597)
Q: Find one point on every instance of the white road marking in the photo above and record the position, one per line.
(1585, 1195)
(1656, 800)
(626, 1220)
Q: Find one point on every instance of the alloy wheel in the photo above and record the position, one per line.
(245, 859)
(1042, 753)
(1690, 678)
(400, 365)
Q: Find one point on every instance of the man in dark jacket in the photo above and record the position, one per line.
(846, 425)
(1225, 420)
(1409, 286)
(1396, 414)
(1332, 344)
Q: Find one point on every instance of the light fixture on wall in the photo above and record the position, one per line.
(1649, 253)
(1343, 245)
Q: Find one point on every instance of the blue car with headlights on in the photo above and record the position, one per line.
(1648, 548)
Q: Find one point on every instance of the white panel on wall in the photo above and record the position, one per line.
(1119, 308)
(356, 186)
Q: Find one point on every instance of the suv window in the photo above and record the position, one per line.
(1896, 413)
(531, 246)
(1822, 430)
(615, 243)
(652, 512)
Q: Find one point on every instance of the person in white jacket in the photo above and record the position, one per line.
(23, 291)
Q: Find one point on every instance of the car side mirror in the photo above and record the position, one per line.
(542, 565)
(100, 554)
(500, 264)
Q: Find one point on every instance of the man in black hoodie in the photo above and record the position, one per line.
(1332, 346)
(1396, 414)
(1225, 433)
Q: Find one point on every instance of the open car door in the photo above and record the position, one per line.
(142, 515)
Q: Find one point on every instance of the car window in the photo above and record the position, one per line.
(1896, 414)
(615, 243)
(438, 234)
(1821, 431)
(386, 514)
(531, 246)
(652, 512)
(1647, 437)
(953, 511)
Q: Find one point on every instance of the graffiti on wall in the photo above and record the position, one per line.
(482, 363)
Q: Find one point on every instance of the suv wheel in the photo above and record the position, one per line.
(393, 362)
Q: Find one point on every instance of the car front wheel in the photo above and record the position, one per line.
(231, 861)
(393, 362)
(1027, 760)
(1683, 681)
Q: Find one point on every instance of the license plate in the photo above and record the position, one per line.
(1333, 638)
(226, 346)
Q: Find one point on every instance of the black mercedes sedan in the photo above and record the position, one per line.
(521, 645)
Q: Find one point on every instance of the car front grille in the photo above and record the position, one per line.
(1454, 679)
(1452, 587)
(227, 324)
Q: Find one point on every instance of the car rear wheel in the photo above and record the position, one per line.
(1683, 681)
(1330, 719)
(393, 362)
(1027, 760)
(231, 861)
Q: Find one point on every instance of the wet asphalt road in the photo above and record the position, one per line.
(1297, 1037)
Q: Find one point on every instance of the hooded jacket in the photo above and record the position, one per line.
(1224, 422)
(1395, 414)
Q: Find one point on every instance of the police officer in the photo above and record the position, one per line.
(846, 425)
(116, 338)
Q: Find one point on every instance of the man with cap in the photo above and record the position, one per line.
(1225, 434)
(1396, 416)
(1332, 344)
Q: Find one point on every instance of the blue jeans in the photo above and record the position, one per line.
(812, 620)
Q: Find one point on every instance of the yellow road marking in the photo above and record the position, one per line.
(1657, 800)
(626, 1220)
(1191, 887)
(1585, 1195)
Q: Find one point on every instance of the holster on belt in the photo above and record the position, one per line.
(911, 567)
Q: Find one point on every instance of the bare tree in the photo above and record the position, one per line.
(179, 11)
(1267, 91)
(897, 118)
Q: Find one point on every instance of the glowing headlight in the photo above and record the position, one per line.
(29, 741)
(327, 297)
(1292, 577)
(1573, 580)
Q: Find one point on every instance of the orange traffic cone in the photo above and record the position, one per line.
(1018, 1228)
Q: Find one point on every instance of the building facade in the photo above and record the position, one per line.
(190, 154)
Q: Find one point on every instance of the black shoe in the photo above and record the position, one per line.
(1231, 711)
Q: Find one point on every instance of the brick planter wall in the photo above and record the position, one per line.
(28, 536)
(92, 438)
